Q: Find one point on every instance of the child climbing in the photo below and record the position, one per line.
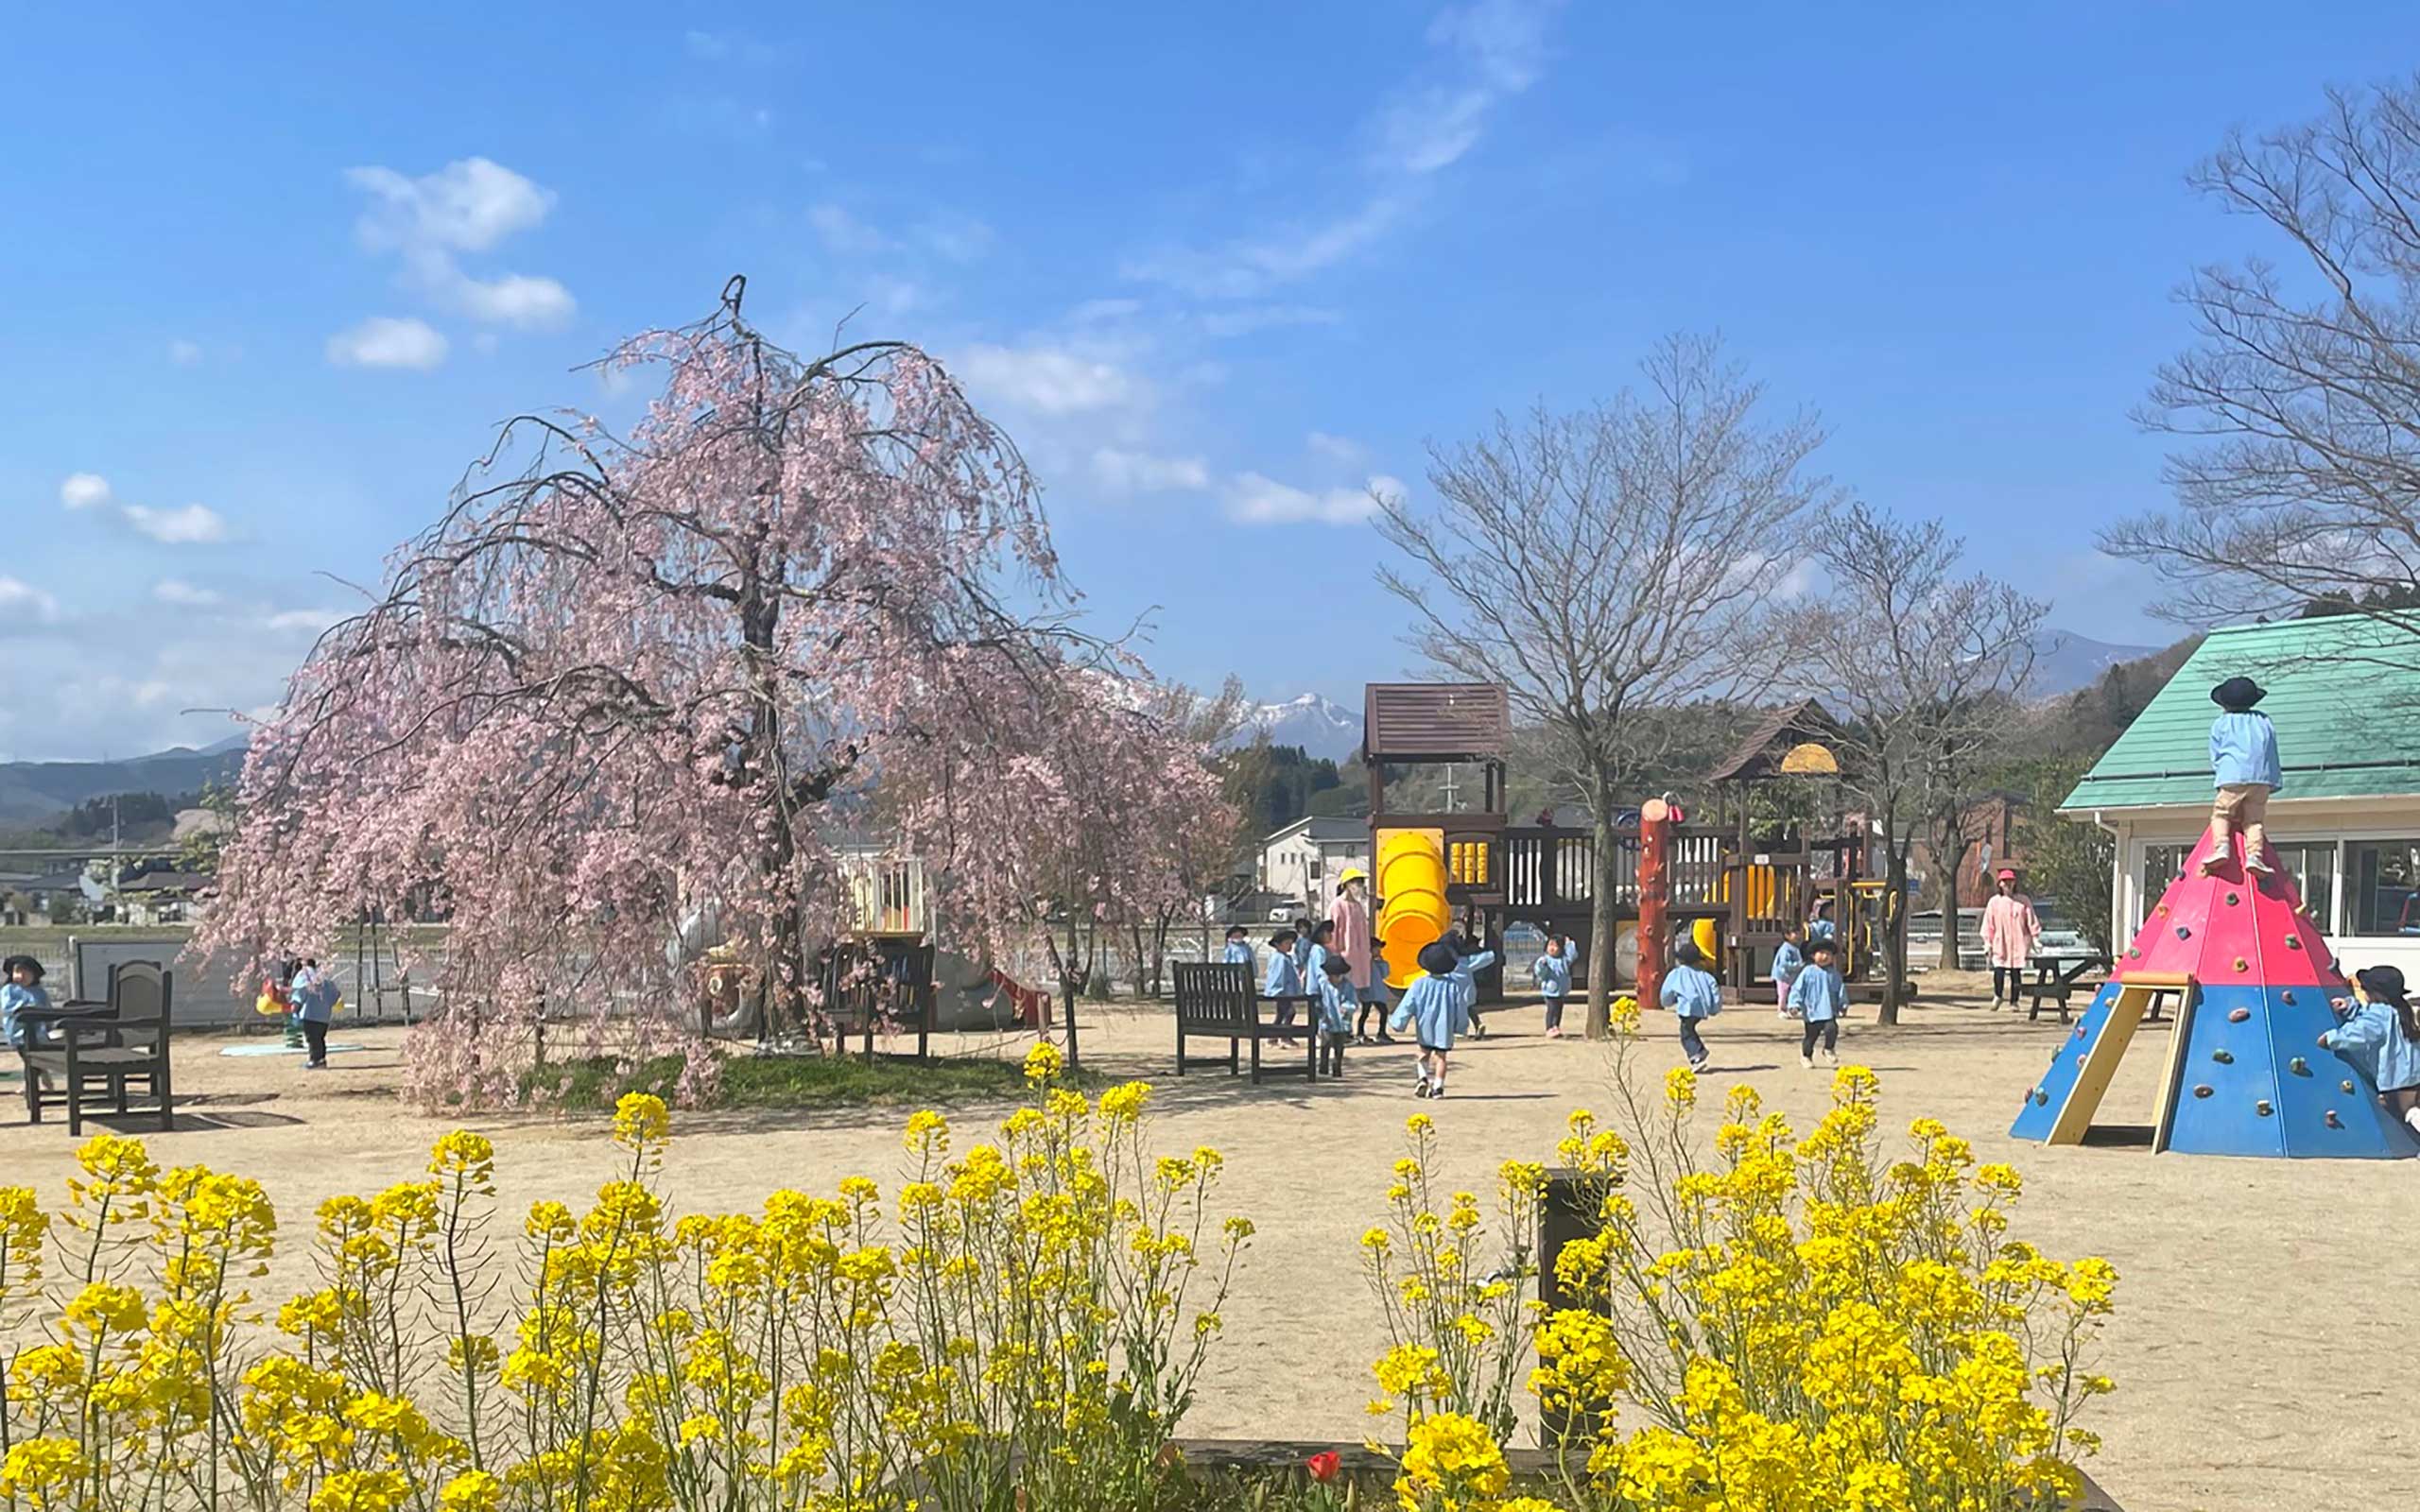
(1819, 996)
(1552, 972)
(2381, 1036)
(1790, 959)
(1334, 988)
(2243, 764)
(1285, 980)
(1690, 992)
(1433, 1008)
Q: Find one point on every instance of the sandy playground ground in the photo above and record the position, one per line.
(2262, 1346)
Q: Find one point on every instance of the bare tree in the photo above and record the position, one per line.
(1602, 562)
(1926, 668)
(2302, 400)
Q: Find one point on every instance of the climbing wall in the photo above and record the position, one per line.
(2245, 1073)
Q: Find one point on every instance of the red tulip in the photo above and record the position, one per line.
(1325, 1466)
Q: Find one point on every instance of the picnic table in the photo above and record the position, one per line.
(2060, 974)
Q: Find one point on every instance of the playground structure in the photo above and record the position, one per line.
(1746, 881)
(2248, 978)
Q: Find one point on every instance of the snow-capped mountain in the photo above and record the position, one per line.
(1321, 726)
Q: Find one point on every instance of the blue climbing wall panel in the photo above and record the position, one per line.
(2252, 1080)
(2057, 1083)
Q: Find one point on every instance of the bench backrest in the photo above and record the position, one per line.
(1215, 992)
(139, 989)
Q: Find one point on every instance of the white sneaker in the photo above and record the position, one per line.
(1420, 1087)
(1807, 1062)
(1831, 1057)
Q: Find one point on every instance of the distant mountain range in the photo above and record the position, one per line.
(34, 793)
(2064, 661)
(1321, 726)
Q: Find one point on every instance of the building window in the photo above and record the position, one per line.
(2161, 865)
(2380, 879)
(2313, 869)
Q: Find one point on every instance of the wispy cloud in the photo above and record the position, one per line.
(83, 490)
(193, 525)
(1336, 448)
(22, 603)
(728, 47)
(1487, 52)
(842, 233)
(384, 341)
(1246, 320)
(178, 592)
(1122, 471)
(468, 206)
(185, 354)
(1252, 499)
(1049, 379)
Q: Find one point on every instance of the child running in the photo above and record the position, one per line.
(1285, 980)
(1689, 990)
(1433, 1008)
(22, 994)
(1819, 996)
(1789, 960)
(1336, 1013)
(1552, 972)
(2381, 1037)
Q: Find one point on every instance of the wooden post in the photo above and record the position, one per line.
(1655, 820)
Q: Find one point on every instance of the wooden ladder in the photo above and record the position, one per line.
(2137, 996)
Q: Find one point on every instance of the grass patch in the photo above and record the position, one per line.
(788, 1081)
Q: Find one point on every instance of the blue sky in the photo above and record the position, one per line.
(268, 288)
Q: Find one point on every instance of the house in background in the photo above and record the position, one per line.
(1302, 860)
(2343, 694)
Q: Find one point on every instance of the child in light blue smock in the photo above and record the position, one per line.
(1285, 979)
(1322, 933)
(1819, 997)
(21, 993)
(1552, 972)
(1789, 960)
(1689, 990)
(2245, 771)
(2381, 1037)
(1302, 933)
(1468, 963)
(1335, 987)
(1433, 1008)
(1238, 951)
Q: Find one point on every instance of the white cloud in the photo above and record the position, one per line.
(1336, 448)
(842, 233)
(383, 341)
(194, 524)
(895, 296)
(1243, 270)
(81, 491)
(1100, 312)
(1124, 471)
(1252, 499)
(1049, 380)
(22, 601)
(301, 621)
(514, 299)
(184, 594)
(960, 238)
(468, 206)
(185, 354)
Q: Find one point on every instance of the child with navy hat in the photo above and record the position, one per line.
(2381, 1036)
(2243, 765)
(1433, 1007)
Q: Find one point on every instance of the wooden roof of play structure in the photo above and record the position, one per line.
(1435, 722)
(1795, 740)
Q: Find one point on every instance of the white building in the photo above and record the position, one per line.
(1304, 859)
(2342, 693)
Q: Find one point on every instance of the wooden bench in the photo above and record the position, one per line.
(87, 1058)
(2062, 977)
(1217, 1000)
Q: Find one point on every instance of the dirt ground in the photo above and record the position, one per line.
(2261, 1346)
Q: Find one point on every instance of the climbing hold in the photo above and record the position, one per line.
(2238, 1015)
(2346, 1085)
(2040, 1098)
(2201, 1090)
(2231, 899)
(2263, 1107)
(2299, 1066)
(2161, 910)
(2242, 965)
(2225, 1058)
(2183, 933)
(2287, 996)
(2293, 942)
(2333, 1122)
(2133, 953)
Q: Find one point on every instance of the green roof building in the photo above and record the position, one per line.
(2344, 694)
